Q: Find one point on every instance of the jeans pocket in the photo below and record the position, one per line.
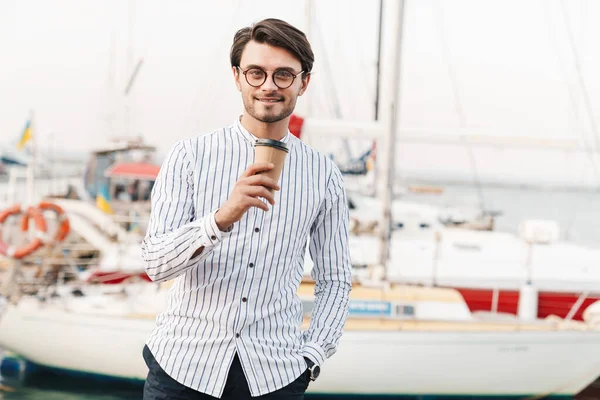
(296, 388)
(159, 385)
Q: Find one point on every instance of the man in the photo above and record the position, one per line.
(234, 240)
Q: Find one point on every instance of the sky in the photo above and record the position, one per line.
(513, 63)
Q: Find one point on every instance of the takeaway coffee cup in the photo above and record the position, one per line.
(271, 151)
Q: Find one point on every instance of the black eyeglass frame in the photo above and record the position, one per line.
(294, 76)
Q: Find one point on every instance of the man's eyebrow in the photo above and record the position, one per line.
(289, 69)
(254, 66)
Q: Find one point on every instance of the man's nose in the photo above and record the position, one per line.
(269, 85)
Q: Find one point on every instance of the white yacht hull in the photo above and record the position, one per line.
(459, 363)
(390, 362)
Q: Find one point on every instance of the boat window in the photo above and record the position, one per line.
(405, 310)
(121, 192)
(147, 190)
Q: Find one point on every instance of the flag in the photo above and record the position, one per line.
(103, 200)
(25, 136)
(103, 204)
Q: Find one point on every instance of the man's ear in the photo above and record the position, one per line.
(236, 77)
(305, 82)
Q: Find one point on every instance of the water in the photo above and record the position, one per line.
(48, 386)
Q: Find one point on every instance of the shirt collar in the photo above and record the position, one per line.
(250, 137)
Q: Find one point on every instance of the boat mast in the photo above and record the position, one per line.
(378, 73)
(129, 66)
(308, 20)
(390, 117)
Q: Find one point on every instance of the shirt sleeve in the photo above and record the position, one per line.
(174, 231)
(331, 272)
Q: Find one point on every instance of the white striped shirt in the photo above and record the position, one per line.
(239, 294)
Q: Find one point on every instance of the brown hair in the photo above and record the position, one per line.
(277, 33)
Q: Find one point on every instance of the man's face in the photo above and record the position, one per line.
(267, 102)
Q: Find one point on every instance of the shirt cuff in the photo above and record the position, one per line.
(214, 234)
(314, 352)
(209, 233)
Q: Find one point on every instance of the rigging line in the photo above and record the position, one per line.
(203, 90)
(588, 147)
(562, 65)
(329, 78)
(364, 68)
(341, 54)
(583, 12)
(328, 72)
(584, 91)
(439, 23)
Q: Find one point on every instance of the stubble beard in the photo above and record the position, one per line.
(268, 117)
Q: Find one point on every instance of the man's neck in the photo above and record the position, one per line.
(273, 130)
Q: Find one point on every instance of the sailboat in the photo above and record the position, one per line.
(399, 339)
(394, 344)
(437, 246)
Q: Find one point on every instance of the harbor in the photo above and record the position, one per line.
(79, 313)
(467, 157)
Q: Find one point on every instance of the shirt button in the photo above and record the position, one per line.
(251, 265)
(256, 230)
(213, 237)
(244, 299)
(237, 335)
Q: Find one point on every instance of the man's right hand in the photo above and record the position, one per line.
(246, 192)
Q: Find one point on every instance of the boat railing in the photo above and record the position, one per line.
(17, 190)
(132, 222)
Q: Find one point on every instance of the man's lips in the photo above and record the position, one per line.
(269, 99)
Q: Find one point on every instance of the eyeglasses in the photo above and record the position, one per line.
(256, 77)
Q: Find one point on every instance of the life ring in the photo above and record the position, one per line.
(36, 243)
(64, 227)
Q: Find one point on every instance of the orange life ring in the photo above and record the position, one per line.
(36, 243)
(64, 227)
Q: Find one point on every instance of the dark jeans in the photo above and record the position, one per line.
(160, 386)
